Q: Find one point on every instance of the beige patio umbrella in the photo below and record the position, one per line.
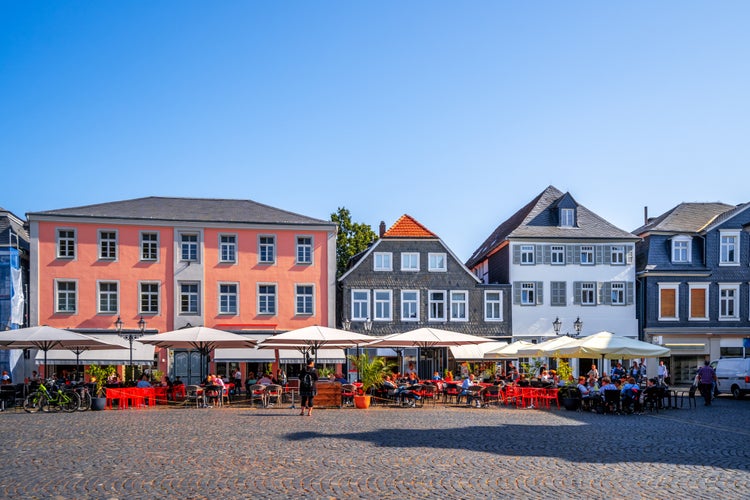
(311, 338)
(610, 346)
(200, 338)
(508, 351)
(548, 348)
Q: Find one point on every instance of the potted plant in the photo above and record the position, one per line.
(569, 396)
(99, 375)
(371, 372)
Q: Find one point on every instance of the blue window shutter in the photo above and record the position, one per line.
(598, 251)
(570, 254)
(605, 293)
(547, 254)
(577, 292)
(516, 292)
(629, 293)
(607, 256)
(538, 254)
(539, 292)
(516, 254)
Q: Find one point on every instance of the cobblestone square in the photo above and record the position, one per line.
(443, 452)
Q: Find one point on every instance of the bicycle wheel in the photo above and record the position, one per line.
(31, 403)
(69, 401)
(46, 405)
(85, 401)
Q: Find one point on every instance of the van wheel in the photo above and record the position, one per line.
(736, 392)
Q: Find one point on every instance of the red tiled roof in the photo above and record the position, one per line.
(407, 227)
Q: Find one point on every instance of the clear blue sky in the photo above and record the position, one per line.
(457, 113)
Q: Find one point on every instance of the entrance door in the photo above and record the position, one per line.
(187, 366)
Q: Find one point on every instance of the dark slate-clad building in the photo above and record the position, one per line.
(693, 273)
(409, 279)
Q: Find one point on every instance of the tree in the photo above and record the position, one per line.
(352, 238)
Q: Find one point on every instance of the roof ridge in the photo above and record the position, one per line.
(408, 227)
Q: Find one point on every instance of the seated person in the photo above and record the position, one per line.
(630, 394)
(651, 394)
(436, 376)
(390, 387)
(583, 388)
(340, 378)
(465, 392)
(265, 380)
(143, 383)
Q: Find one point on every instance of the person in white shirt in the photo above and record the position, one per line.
(662, 372)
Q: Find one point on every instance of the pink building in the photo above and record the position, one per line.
(236, 265)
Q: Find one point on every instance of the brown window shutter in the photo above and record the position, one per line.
(668, 296)
(698, 303)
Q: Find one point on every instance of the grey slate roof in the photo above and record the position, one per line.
(687, 218)
(538, 220)
(9, 222)
(157, 208)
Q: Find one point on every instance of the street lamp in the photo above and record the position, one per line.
(577, 325)
(130, 336)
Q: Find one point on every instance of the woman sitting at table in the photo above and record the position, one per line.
(265, 380)
(143, 383)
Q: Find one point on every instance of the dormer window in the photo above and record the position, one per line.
(567, 217)
(681, 249)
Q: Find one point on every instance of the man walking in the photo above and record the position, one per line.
(706, 379)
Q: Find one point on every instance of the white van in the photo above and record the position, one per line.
(733, 375)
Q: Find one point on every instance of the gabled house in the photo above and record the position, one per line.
(563, 262)
(236, 265)
(693, 273)
(409, 279)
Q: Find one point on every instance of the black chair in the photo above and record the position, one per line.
(690, 395)
(612, 401)
(652, 398)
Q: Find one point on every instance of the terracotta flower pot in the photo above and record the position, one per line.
(362, 402)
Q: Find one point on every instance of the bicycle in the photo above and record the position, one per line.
(83, 392)
(57, 399)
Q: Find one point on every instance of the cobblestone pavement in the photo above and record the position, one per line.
(445, 452)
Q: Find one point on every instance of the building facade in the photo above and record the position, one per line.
(693, 268)
(236, 265)
(14, 279)
(563, 262)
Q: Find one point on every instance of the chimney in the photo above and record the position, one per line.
(382, 228)
(645, 215)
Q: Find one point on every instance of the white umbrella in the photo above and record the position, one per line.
(427, 338)
(200, 338)
(47, 338)
(508, 351)
(550, 347)
(311, 338)
(611, 346)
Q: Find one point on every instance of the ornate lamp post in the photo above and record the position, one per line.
(130, 336)
(577, 325)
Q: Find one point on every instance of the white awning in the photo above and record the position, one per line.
(474, 352)
(142, 354)
(291, 356)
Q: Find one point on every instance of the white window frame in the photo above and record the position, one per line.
(228, 302)
(732, 243)
(227, 248)
(699, 286)
(100, 294)
(267, 303)
(410, 261)
(527, 255)
(567, 217)
(559, 251)
(70, 294)
(493, 307)
(188, 247)
(304, 299)
(588, 291)
(148, 295)
(437, 305)
(382, 305)
(528, 293)
(617, 255)
(587, 255)
(266, 249)
(681, 244)
(618, 293)
(189, 294)
(382, 261)
(149, 246)
(676, 288)
(107, 245)
(437, 262)
(304, 249)
(735, 299)
(68, 244)
(360, 305)
(459, 305)
(409, 305)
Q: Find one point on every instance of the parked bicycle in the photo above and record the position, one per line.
(55, 399)
(83, 392)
